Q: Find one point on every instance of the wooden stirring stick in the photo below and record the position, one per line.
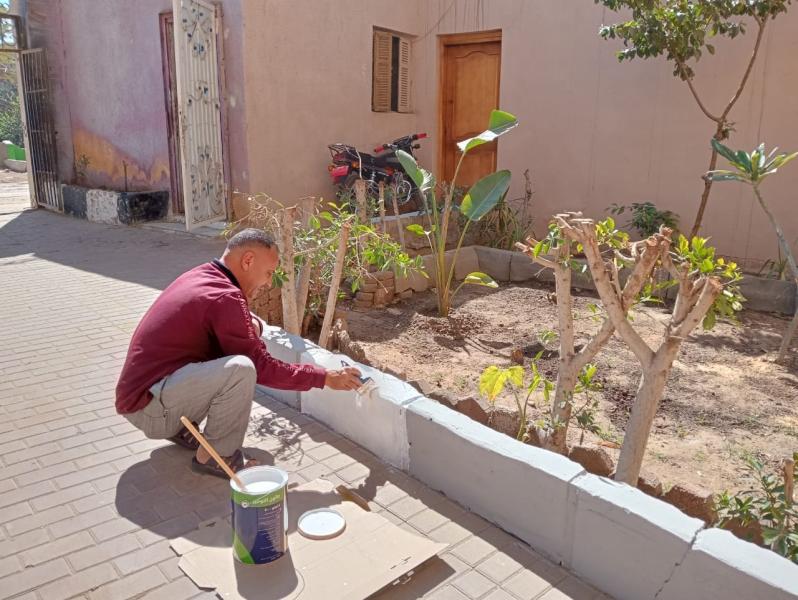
(215, 455)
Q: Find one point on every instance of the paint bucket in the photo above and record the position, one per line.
(260, 515)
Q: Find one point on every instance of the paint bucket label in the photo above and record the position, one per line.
(259, 515)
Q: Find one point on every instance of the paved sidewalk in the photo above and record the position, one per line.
(88, 504)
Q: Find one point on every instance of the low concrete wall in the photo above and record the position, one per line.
(767, 295)
(20, 166)
(615, 537)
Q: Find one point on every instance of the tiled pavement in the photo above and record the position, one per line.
(88, 504)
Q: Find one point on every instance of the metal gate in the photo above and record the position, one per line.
(200, 114)
(40, 129)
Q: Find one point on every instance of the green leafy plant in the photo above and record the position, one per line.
(367, 250)
(681, 31)
(509, 222)
(10, 116)
(310, 243)
(770, 506)
(523, 383)
(480, 199)
(646, 217)
(774, 268)
(752, 168)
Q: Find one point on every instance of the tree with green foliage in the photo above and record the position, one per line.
(706, 289)
(681, 31)
(753, 168)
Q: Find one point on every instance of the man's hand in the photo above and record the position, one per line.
(347, 378)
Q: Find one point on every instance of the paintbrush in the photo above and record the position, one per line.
(215, 455)
(368, 385)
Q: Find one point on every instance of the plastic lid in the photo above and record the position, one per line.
(321, 524)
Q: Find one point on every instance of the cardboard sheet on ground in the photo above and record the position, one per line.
(369, 555)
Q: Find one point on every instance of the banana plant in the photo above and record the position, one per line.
(753, 168)
(483, 196)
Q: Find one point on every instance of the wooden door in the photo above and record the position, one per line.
(470, 75)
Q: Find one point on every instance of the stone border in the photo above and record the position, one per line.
(613, 536)
(114, 208)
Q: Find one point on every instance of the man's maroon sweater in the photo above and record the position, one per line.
(203, 315)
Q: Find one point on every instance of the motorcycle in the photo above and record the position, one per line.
(349, 165)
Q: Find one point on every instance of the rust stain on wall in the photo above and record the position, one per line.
(99, 163)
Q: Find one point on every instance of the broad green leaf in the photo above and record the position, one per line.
(485, 194)
(783, 159)
(744, 160)
(477, 278)
(724, 151)
(499, 123)
(423, 179)
(726, 176)
(416, 228)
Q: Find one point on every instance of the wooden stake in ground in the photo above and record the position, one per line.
(789, 480)
(303, 287)
(291, 319)
(332, 296)
(399, 227)
(382, 207)
(361, 201)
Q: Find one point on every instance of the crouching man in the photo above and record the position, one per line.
(198, 352)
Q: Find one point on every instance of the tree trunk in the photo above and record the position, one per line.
(785, 247)
(566, 375)
(556, 439)
(702, 205)
(721, 121)
(649, 394)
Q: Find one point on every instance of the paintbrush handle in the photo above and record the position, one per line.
(215, 455)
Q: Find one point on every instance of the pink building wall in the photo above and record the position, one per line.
(108, 88)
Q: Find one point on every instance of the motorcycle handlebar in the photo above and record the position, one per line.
(399, 142)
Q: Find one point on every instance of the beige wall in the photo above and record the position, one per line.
(308, 84)
(593, 131)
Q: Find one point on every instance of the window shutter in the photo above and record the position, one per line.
(381, 76)
(404, 76)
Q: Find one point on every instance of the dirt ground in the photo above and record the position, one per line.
(724, 397)
(8, 176)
